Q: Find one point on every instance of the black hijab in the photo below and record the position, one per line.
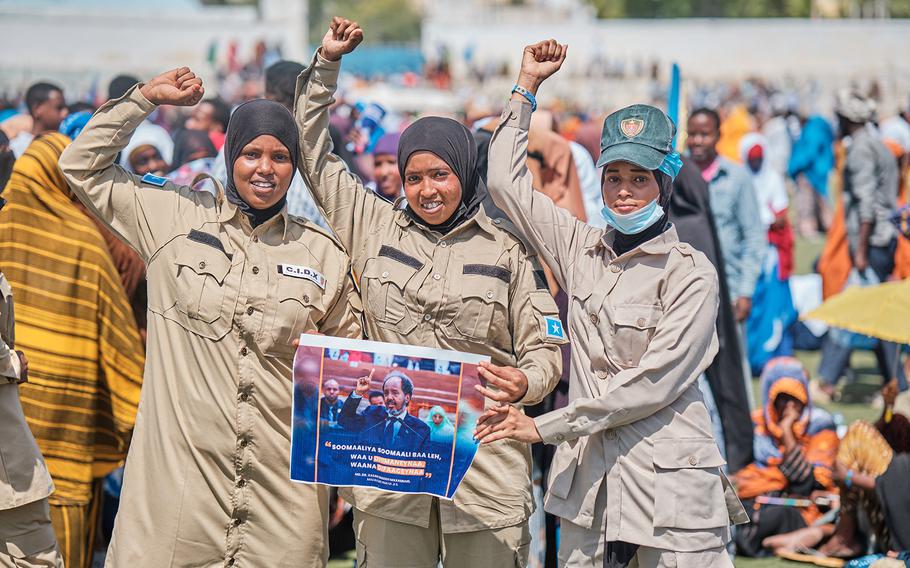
(623, 243)
(249, 120)
(690, 212)
(454, 145)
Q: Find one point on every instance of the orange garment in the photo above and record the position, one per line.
(835, 262)
(732, 129)
(815, 437)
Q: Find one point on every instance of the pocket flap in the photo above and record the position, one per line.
(485, 288)
(562, 470)
(386, 271)
(684, 453)
(544, 303)
(31, 543)
(302, 291)
(204, 259)
(640, 316)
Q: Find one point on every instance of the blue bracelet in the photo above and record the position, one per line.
(848, 480)
(526, 94)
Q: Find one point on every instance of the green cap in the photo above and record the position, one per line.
(640, 134)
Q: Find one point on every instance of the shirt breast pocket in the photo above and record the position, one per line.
(633, 327)
(483, 313)
(384, 284)
(296, 312)
(203, 301)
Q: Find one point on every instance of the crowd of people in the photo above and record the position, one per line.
(145, 243)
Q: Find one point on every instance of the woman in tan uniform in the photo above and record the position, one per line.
(636, 462)
(438, 271)
(206, 480)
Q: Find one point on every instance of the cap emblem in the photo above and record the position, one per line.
(632, 127)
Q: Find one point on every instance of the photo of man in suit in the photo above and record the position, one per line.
(389, 426)
(330, 404)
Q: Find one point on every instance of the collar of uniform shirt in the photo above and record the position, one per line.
(229, 211)
(480, 218)
(660, 244)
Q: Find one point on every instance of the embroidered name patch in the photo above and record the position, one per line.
(152, 179)
(303, 272)
(554, 328)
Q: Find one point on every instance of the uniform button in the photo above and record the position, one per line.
(245, 396)
(244, 442)
(385, 274)
(436, 277)
(497, 221)
(601, 374)
(641, 322)
(255, 238)
(490, 295)
(240, 483)
(611, 435)
(249, 311)
(255, 270)
(427, 317)
(202, 265)
(306, 298)
(560, 437)
(614, 268)
(693, 461)
(443, 244)
(594, 319)
(244, 351)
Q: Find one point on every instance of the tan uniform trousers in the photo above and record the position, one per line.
(27, 537)
(382, 543)
(584, 548)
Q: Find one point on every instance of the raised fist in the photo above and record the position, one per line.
(539, 61)
(180, 87)
(342, 38)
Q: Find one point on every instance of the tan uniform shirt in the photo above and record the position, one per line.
(642, 327)
(206, 479)
(472, 290)
(23, 475)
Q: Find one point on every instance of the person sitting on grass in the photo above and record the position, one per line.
(795, 445)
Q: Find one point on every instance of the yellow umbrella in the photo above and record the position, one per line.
(881, 311)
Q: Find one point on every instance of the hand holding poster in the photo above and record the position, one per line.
(394, 417)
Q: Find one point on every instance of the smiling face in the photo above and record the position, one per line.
(627, 187)
(431, 187)
(263, 172)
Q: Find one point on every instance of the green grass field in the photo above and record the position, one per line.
(854, 403)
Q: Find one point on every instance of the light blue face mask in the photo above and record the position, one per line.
(636, 221)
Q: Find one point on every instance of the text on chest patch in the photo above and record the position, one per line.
(303, 272)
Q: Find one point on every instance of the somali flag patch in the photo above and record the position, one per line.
(152, 179)
(554, 328)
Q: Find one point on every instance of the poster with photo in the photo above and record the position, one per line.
(393, 417)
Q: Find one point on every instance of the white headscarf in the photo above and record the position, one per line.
(769, 185)
(153, 135)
